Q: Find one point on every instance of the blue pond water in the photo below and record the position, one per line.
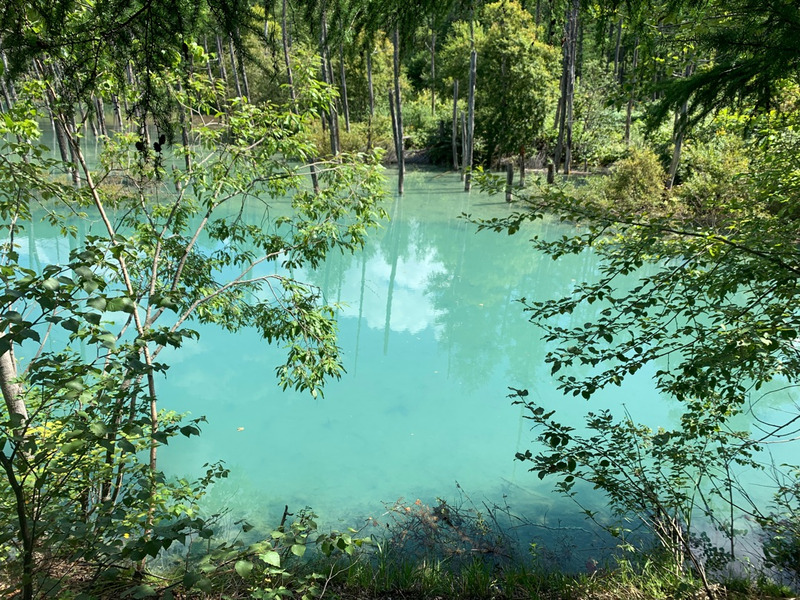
(431, 336)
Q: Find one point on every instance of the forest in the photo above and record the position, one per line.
(662, 133)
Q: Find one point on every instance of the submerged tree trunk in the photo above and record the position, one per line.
(401, 163)
(564, 113)
(573, 43)
(473, 67)
(455, 125)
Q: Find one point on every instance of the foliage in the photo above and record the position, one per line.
(701, 296)
(636, 183)
(597, 123)
(781, 526)
(711, 189)
(738, 37)
(516, 86)
(82, 425)
(663, 479)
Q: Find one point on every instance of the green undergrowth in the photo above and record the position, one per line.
(445, 550)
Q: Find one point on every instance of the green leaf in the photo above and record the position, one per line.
(107, 340)
(73, 446)
(142, 591)
(99, 429)
(298, 549)
(97, 302)
(121, 304)
(243, 568)
(271, 558)
(70, 325)
(190, 578)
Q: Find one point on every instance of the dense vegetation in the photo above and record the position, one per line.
(686, 111)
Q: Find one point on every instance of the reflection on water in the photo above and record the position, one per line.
(432, 337)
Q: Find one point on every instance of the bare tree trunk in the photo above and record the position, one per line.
(25, 531)
(234, 69)
(567, 85)
(345, 103)
(90, 116)
(433, 72)
(287, 61)
(463, 145)
(401, 162)
(629, 112)
(618, 48)
(71, 132)
(398, 142)
(211, 77)
(241, 67)
(573, 43)
(678, 133)
(9, 91)
(371, 98)
(470, 141)
(100, 111)
(12, 395)
(6, 93)
(393, 114)
(185, 127)
(117, 111)
(221, 60)
(455, 125)
(49, 100)
(509, 181)
(327, 77)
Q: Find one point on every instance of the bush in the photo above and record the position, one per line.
(712, 190)
(636, 182)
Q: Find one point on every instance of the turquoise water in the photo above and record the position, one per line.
(431, 337)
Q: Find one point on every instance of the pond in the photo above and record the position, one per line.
(432, 338)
